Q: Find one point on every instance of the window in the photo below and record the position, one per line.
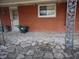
(14, 14)
(47, 10)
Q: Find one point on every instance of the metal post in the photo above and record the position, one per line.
(70, 22)
(1, 23)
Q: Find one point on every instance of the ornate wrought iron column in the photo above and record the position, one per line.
(70, 22)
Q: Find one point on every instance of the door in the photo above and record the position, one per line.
(14, 18)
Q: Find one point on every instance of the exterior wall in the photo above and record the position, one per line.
(5, 16)
(28, 16)
(77, 19)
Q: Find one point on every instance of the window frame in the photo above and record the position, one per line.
(11, 13)
(46, 15)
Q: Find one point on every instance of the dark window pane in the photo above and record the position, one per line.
(43, 12)
(14, 14)
(47, 10)
(43, 7)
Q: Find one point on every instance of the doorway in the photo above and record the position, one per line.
(14, 18)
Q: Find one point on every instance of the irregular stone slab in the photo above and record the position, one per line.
(30, 52)
(59, 55)
(37, 58)
(3, 55)
(10, 50)
(20, 56)
(48, 55)
(29, 57)
(19, 49)
(11, 56)
(3, 47)
(25, 44)
(38, 54)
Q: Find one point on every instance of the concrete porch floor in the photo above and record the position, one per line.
(36, 45)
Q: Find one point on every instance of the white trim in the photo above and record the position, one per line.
(46, 5)
(26, 2)
(12, 8)
(10, 11)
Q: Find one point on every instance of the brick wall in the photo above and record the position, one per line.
(28, 16)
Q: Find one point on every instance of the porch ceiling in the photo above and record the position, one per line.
(22, 2)
(26, 2)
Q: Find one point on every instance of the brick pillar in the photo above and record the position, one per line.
(70, 22)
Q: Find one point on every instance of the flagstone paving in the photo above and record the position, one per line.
(37, 45)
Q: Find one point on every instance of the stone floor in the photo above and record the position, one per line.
(37, 45)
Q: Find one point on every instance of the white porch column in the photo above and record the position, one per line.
(70, 22)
